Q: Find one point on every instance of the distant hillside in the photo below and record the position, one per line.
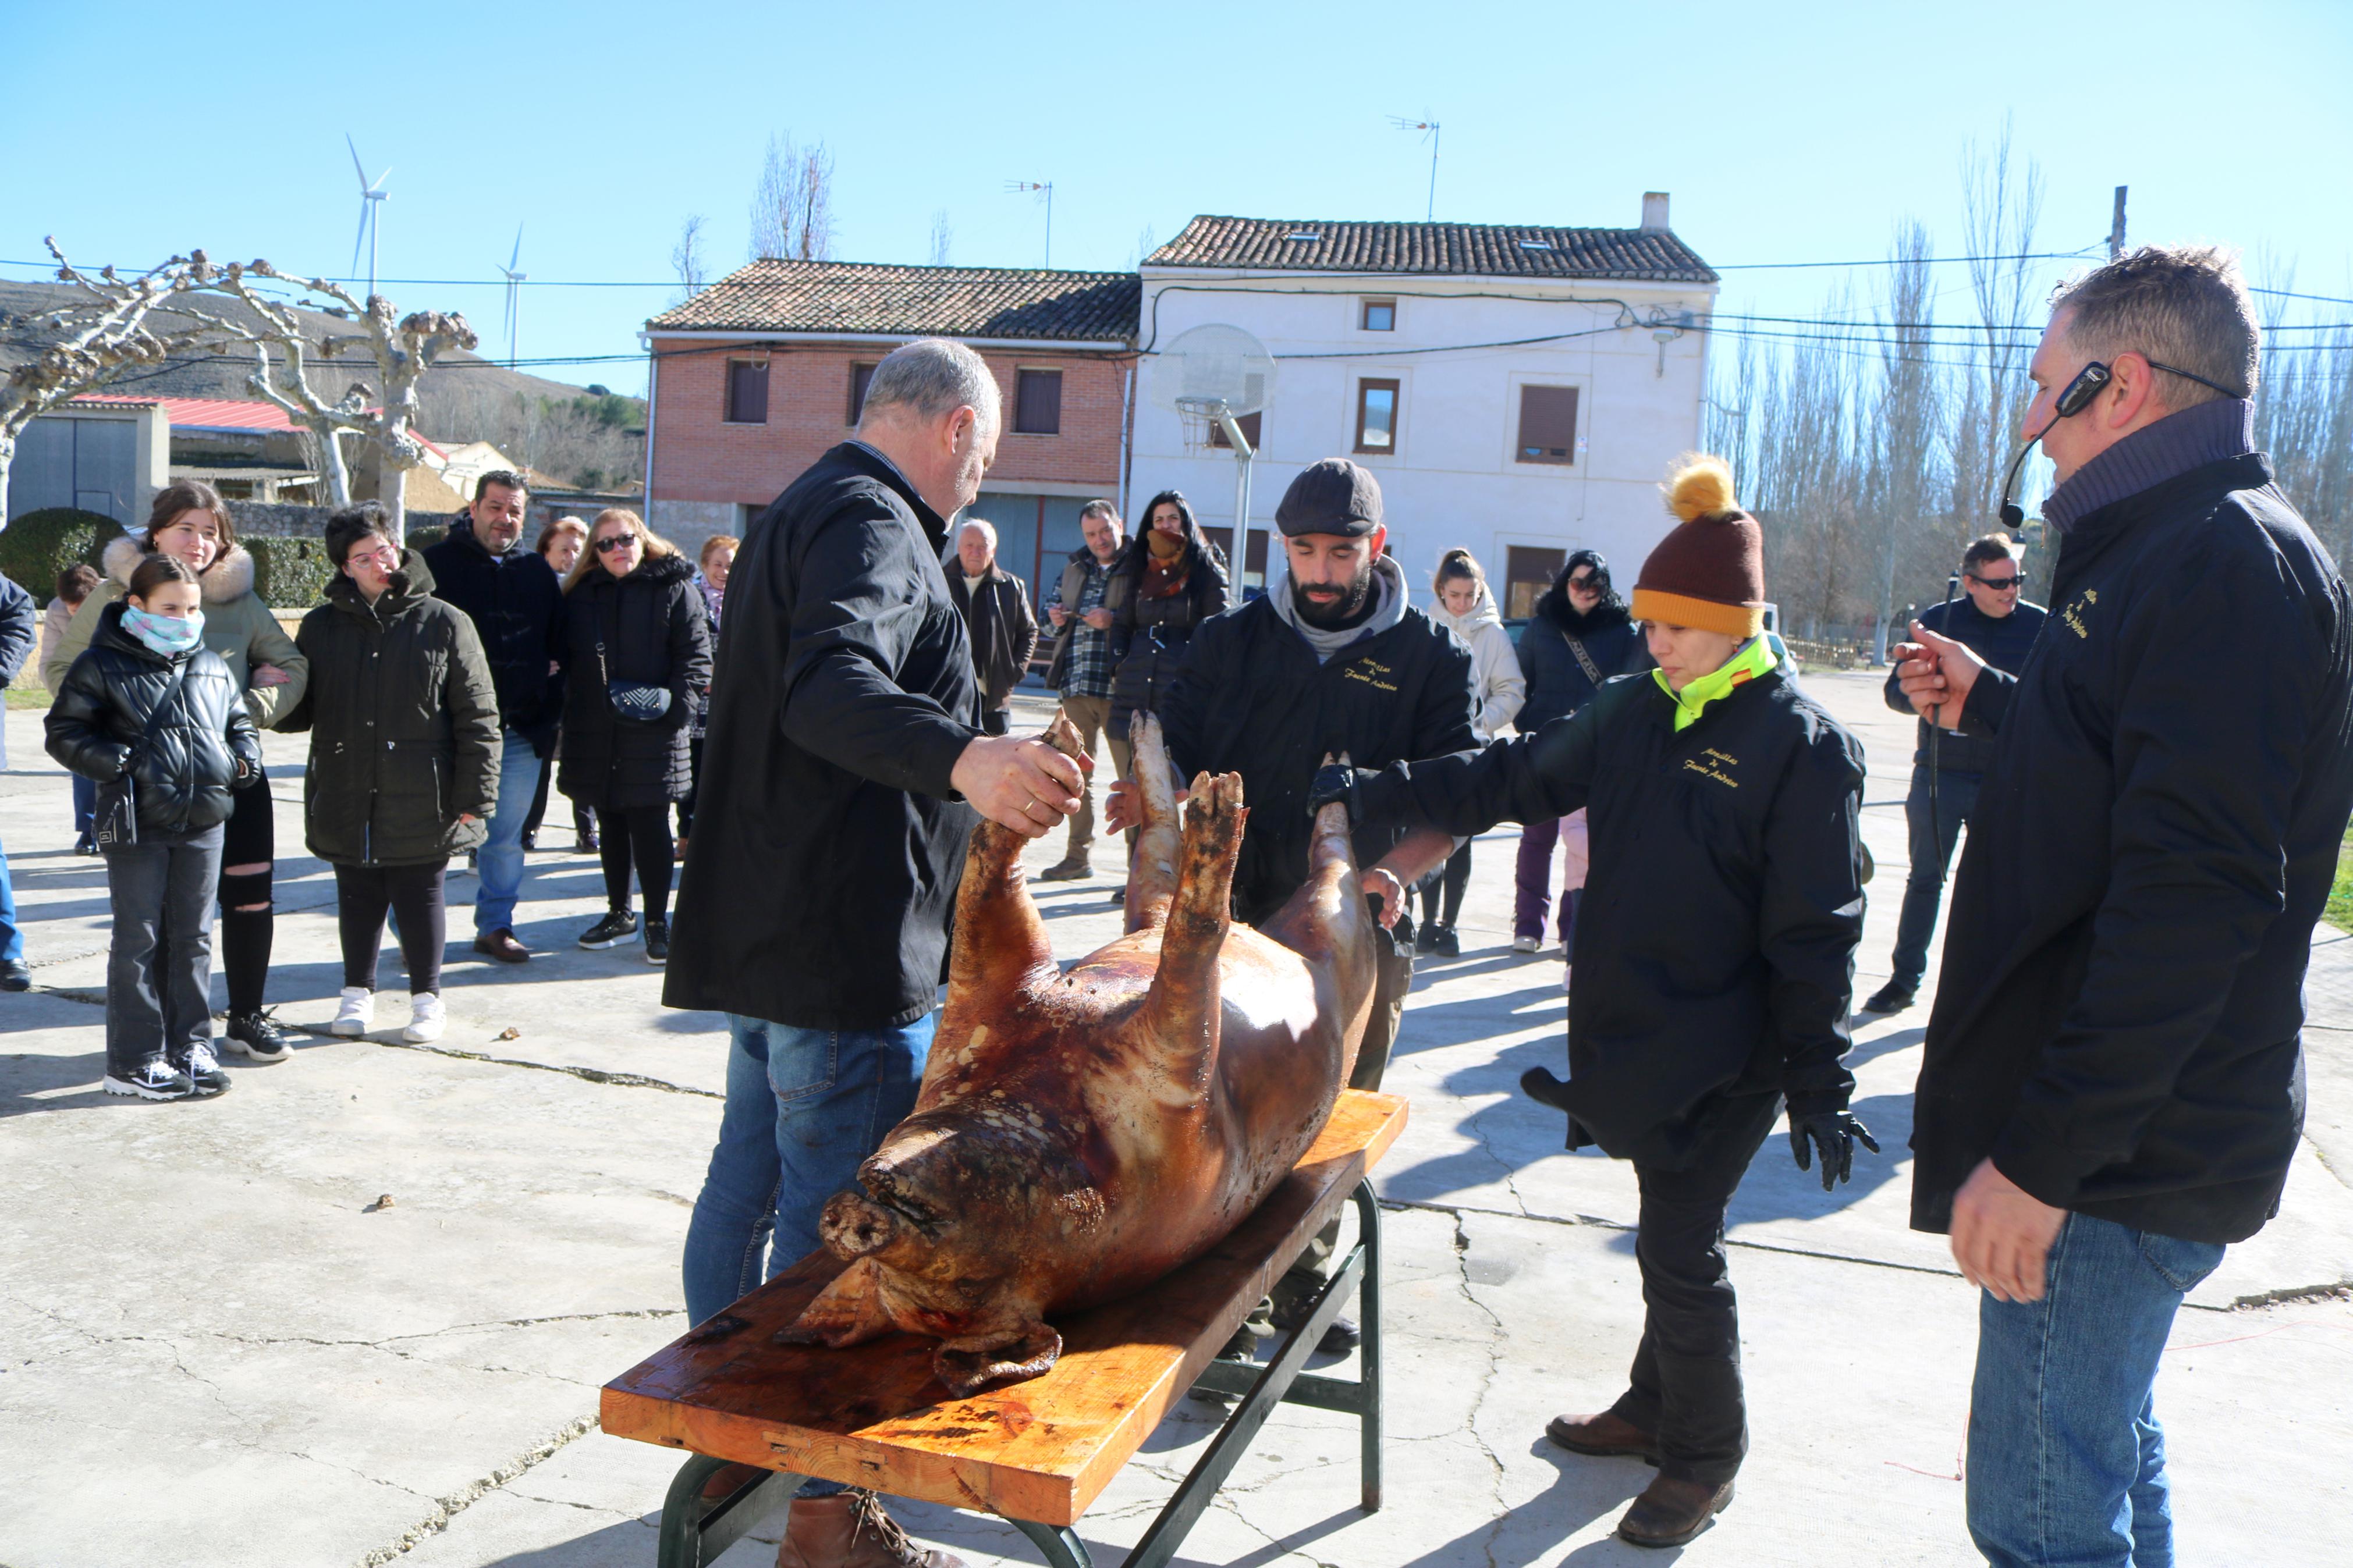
(560, 429)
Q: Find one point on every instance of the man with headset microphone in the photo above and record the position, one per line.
(2112, 1082)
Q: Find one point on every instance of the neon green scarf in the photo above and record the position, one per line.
(1754, 659)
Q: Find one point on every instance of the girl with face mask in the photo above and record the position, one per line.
(150, 707)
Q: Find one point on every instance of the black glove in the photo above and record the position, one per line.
(1835, 1133)
(1336, 781)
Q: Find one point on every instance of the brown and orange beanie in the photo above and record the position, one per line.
(1708, 573)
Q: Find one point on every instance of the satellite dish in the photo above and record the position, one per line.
(1214, 365)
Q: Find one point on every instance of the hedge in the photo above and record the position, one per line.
(38, 545)
(289, 574)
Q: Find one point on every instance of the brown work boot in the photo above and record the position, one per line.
(1604, 1436)
(849, 1530)
(1671, 1512)
(1074, 868)
(502, 945)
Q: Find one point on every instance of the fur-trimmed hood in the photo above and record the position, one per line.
(227, 578)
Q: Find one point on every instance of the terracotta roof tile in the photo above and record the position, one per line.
(1497, 250)
(943, 302)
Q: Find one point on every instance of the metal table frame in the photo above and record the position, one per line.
(696, 1529)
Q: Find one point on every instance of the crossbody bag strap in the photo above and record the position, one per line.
(1584, 659)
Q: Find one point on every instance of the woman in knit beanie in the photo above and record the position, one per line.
(1715, 956)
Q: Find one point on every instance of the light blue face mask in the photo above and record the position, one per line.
(164, 635)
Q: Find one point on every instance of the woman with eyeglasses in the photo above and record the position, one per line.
(1579, 637)
(637, 652)
(405, 749)
(1993, 618)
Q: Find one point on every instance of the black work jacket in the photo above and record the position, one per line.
(1250, 699)
(828, 840)
(403, 723)
(1715, 951)
(516, 603)
(2118, 1017)
(204, 747)
(651, 630)
(2002, 641)
(1557, 683)
(1003, 630)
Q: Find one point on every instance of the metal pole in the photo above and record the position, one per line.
(1430, 213)
(2116, 228)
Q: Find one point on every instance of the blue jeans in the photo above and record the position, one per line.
(805, 1108)
(2066, 1458)
(498, 862)
(12, 935)
(85, 803)
(1932, 835)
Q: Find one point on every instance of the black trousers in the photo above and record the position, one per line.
(640, 834)
(693, 785)
(1685, 1384)
(413, 894)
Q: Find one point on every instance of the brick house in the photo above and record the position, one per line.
(758, 375)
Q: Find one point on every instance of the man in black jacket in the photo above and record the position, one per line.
(511, 595)
(1993, 619)
(1334, 661)
(843, 760)
(2112, 1086)
(995, 606)
(1715, 956)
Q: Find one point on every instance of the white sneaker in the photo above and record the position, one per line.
(425, 1018)
(1524, 944)
(354, 1014)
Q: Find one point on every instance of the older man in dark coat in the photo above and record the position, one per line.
(843, 762)
(995, 605)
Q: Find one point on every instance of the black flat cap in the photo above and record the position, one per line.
(1335, 496)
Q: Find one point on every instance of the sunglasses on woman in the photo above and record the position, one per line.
(612, 542)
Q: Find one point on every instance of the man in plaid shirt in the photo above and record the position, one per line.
(1082, 668)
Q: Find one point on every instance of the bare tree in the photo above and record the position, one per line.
(2000, 207)
(1907, 430)
(99, 337)
(2304, 414)
(1146, 242)
(943, 237)
(400, 351)
(792, 206)
(686, 259)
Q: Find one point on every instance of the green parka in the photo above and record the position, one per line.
(404, 725)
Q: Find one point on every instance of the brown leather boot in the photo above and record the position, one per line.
(849, 1530)
(1603, 1436)
(1671, 1512)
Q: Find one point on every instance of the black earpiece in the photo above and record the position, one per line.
(2073, 398)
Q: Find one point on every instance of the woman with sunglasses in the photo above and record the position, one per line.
(637, 652)
(1993, 618)
(1579, 637)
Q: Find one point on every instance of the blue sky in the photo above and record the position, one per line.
(1784, 133)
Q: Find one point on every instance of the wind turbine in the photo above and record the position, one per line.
(514, 294)
(371, 193)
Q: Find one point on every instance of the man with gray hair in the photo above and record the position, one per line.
(844, 758)
(995, 605)
(2112, 1086)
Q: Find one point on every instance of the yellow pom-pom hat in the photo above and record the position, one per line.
(1709, 572)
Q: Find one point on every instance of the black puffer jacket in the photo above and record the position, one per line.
(1149, 633)
(1715, 947)
(652, 632)
(516, 603)
(1558, 684)
(204, 747)
(404, 725)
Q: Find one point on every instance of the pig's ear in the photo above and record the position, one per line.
(849, 1311)
(967, 1365)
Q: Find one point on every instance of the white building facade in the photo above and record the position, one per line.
(1517, 391)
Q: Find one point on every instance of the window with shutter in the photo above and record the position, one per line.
(1548, 424)
(1037, 403)
(859, 374)
(1376, 416)
(1527, 572)
(1249, 423)
(747, 392)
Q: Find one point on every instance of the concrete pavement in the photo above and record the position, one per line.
(218, 1346)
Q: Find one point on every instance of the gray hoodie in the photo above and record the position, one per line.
(1388, 609)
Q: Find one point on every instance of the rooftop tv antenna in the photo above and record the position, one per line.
(514, 294)
(1045, 188)
(371, 193)
(1213, 377)
(1428, 127)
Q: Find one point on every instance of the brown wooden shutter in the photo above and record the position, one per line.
(1038, 402)
(859, 374)
(747, 392)
(1548, 424)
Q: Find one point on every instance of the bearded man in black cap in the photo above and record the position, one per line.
(1331, 660)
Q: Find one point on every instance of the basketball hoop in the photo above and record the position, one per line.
(1211, 377)
(1199, 417)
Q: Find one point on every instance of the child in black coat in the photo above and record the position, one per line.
(148, 712)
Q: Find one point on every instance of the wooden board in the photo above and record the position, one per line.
(873, 1415)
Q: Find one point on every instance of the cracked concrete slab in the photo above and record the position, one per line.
(216, 1350)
